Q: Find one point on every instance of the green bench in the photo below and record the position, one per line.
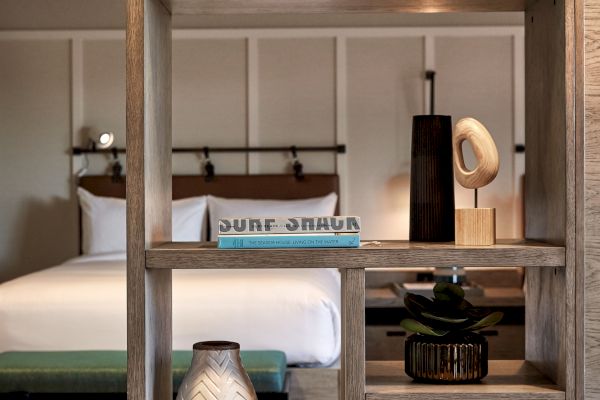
(40, 374)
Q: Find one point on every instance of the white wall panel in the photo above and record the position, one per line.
(38, 212)
(209, 101)
(103, 89)
(475, 79)
(296, 101)
(385, 89)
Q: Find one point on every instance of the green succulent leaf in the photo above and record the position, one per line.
(412, 325)
(464, 305)
(416, 304)
(477, 312)
(490, 320)
(448, 291)
(449, 320)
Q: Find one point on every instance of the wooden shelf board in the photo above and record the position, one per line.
(507, 253)
(338, 6)
(507, 379)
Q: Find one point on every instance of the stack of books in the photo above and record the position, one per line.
(296, 232)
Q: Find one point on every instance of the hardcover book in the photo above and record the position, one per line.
(293, 225)
(288, 241)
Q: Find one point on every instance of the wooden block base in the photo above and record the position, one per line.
(475, 226)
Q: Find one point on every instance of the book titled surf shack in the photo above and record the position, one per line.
(293, 225)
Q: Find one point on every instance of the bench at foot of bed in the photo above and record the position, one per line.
(102, 375)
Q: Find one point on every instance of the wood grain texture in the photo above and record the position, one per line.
(352, 374)
(390, 254)
(591, 200)
(484, 148)
(338, 6)
(313, 383)
(546, 207)
(506, 380)
(148, 198)
(575, 235)
(574, 272)
(475, 226)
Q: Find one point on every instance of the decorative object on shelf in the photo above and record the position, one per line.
(216, 373)
(445, 347)
(431, 180)
(294, 232)
(475, 226)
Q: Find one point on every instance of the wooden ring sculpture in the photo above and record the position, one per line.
(474, 132)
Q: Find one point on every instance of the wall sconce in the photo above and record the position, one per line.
(104, 140)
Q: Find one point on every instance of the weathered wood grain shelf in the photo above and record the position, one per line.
(510, 379)
(325, 6)
(507, 253)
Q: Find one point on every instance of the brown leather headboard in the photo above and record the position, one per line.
(280, 187)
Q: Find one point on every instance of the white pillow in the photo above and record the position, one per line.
(219, 207)
(104, 227)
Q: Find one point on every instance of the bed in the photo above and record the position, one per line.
(81, 304)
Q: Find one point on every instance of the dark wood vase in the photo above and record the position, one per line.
(454, 358)
(431, 180)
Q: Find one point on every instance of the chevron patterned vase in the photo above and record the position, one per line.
(216, 373)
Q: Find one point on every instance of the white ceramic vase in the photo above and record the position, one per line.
(216, 373)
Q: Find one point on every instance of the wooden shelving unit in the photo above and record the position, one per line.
(554, 197)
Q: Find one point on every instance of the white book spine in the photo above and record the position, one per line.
(287, 226)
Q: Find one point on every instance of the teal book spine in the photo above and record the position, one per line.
(287, 241)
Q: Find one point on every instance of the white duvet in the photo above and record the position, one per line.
(81, 305)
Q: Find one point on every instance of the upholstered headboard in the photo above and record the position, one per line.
(281, 187)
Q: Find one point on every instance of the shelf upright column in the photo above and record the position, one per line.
(352, 379)
(550, 193)
(148, 199)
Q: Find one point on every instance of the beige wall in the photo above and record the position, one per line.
(290, 90)
(38, 215)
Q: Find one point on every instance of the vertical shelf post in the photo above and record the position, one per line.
(352, 378)
(549, 192)
(148, 198)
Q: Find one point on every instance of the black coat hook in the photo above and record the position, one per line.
(209, 168)
(296, 164)
(117, 168)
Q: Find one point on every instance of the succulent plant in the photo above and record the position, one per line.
(446, 313)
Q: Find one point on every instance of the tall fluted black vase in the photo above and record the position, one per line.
(431, 180)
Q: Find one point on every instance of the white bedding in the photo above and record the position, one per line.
(81, 305)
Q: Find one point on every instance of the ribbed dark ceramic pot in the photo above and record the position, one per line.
(458, 358)
(431, 180)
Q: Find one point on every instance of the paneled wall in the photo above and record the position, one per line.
(353, 86)
(38, 212)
